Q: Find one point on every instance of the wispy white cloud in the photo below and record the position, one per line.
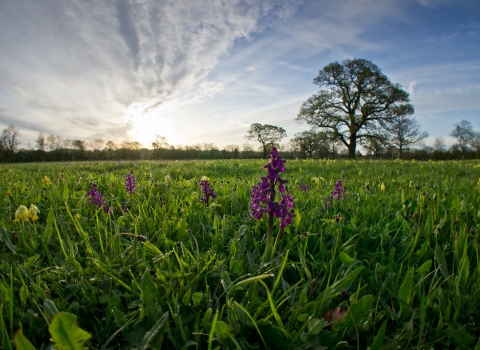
(89, 62)
(134, 68)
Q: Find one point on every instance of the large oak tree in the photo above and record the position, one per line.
(354, 101)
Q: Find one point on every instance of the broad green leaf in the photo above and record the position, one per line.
(21, 341)
(153, 338)
(206, 320)
(441, 260)
(47, 235)
(222, 330)
(464, 269)
(378, 341)
(4, 236)
(405, 291)
(346, 259)
(303, 317)
(187, 297)
(23, 293)
(66, 335)
(424, 268)
(197, 298)
(118, 316)
(31, 260)
(461, 338)
(359, 310)
(189, 344)
(148, 293)
(304, 265)
(182, 228)
(50, 307)
(345, 282)
(315, 326)
(237, 267)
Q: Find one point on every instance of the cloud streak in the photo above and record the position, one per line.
(87, 62)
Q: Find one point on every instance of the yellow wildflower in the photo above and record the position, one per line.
(46, 181)
(382, 187)
(33, 210)
(22, 213)
(317, 180)
(78, 216)
(168, 179)
(203, 178)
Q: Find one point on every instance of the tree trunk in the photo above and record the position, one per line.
(352, 147)
(264, 151)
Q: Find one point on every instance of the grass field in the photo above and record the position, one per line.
(399, 257)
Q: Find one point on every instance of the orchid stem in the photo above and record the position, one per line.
(280, 231)
(269, 243)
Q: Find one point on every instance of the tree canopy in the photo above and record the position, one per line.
(403, 132)
(267, 135)
(464, 134)
(10, 139)
(354, 101)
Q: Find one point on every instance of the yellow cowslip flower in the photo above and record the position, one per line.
(382, 187)
(204, 178)
(22, 213)
(46, 181)
(317, 180)
(78, 216)
(33, 210)
(168, 179)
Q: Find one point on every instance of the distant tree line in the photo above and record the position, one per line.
(56, 148)
(306, 144)
(356, 105)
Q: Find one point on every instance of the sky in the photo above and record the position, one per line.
(203, 71)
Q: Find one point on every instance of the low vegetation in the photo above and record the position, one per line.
(379, 254)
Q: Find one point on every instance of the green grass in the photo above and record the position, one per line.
(400, 253)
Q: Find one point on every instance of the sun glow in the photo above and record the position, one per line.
(148, 122)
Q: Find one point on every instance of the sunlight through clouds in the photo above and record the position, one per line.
(202, 71)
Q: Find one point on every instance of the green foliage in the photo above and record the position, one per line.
(66, 335)
(399, 257)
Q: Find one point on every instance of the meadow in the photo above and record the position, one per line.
(394, 264)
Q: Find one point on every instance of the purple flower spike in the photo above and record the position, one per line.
(207, 191)
(263, 193)
(130, 184)
(96, 198)
(107, 209)
(304, 187)
(338, 193)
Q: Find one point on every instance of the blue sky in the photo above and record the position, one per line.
(203, 71)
